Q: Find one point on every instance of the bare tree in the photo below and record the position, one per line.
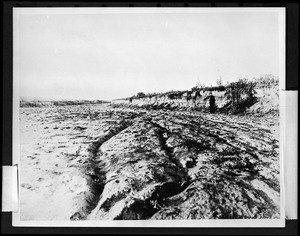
(220, 81)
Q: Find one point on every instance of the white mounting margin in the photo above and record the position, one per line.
(289, 136)
(10, 200)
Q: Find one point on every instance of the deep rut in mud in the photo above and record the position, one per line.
(97, 176)
(141, 208)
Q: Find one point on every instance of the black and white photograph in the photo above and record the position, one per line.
(149, 117)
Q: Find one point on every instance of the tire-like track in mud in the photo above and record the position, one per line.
(183, 165)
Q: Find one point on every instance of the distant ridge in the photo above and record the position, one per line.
(25, 102)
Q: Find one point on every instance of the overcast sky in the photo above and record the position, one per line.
(111, 55)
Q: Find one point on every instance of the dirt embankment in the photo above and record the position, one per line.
(132, 163)
(265, 101)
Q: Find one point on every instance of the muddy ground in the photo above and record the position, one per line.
(102, 162)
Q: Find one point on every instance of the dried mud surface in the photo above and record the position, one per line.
(132, 163)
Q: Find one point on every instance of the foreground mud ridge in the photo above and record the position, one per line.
(130, 163)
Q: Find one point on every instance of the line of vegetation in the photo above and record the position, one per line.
(233, 89)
